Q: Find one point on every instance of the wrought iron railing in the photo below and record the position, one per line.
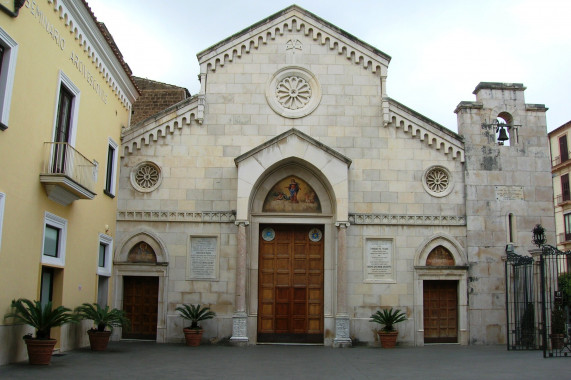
(62, 159)
(560, 199)
(555, 302)
(557, 160)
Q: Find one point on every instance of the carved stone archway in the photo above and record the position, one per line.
(122, 267)
(424, 271)
(326, 171)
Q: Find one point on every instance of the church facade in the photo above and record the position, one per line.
(295, 198)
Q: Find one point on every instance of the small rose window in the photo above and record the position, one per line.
(437, 181)
(146, 177)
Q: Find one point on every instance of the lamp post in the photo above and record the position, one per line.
(538, 235)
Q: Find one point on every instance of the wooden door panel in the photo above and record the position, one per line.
(140, 302)
(440, 311)
(290, 307)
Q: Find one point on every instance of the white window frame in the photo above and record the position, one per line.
(60, 223)
(108, 242)
(113, 186)
(2, 202)
(7, 76)
(63, 80)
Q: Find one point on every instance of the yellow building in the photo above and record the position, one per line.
(65, 94)
(561, 167)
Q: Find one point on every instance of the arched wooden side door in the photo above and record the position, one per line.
(290, 284)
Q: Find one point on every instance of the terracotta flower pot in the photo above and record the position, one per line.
(557, 341)
(388, 338)
(98, 340)
(192, 336)
(40, 350)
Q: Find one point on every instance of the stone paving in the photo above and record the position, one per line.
(149, 360)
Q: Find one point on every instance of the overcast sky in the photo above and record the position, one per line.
(440, 49)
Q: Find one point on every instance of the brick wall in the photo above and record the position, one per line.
(155, 97)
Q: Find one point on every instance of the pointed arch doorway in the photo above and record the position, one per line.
(140, 275)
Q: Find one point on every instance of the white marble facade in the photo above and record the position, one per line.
(296, 96)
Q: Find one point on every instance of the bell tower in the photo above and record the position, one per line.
(508, 191)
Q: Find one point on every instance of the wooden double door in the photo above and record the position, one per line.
(290, 284)
(440, 311)
(140, 302)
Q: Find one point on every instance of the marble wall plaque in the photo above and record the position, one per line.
(203, 258)
(379, 260)
(509, 193)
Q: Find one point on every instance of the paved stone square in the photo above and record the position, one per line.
(149, 360)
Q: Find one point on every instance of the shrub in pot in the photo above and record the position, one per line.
(557, 327)
(104, 320)
(42, 318)
(194, 314)
(388, 318)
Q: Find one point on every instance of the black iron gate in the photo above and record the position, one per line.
(556, 301)
(523, 302)
(538, 299)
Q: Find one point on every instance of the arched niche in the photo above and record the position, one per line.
(288, 170)
(149, 238)
(440, 239)
(440, 256)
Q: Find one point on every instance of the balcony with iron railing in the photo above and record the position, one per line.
(557, 163)
(66, 174)
(561, 200)
(564, 238)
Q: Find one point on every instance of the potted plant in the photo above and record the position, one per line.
(388, 318)
(42, 319)
(194, 314)
(564, 284)
(557, 327)
(104, 319)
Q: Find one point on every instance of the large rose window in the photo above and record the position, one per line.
(293, 92)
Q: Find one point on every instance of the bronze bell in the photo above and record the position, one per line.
(503, 136)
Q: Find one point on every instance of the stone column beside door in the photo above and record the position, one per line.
(342, 323)
(240, 317)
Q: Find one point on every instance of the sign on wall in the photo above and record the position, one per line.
(509, 193)
(379, 260)
(202, 258)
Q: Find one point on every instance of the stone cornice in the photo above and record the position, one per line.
(396, 219)
(82, 26)
(295, 19)
(426, 130)
(177, 216)
(230, 217)
(159, 125)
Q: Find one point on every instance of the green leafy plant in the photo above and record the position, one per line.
(42, 318)
(558, 321)
(388, 318)
(195, 314)
(102, 317)
(564, 284)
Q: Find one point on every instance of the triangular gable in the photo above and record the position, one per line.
(298, 19)
(276, 141)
